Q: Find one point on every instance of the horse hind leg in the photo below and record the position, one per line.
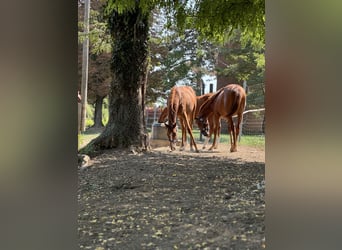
(232, 135)
(183, 143)
(238, 127)
(189, 128)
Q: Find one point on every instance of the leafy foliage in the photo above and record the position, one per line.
(245, 61)
(176, 57)
(213, 19)
(99, 37)
(99, 74)
(180, 50)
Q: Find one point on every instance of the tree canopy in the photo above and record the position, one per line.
(213, 19)
(176, 57)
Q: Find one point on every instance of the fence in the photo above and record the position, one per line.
(253, 121)
(151, 115)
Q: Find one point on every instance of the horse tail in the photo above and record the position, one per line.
(237, 100)
(172, 110)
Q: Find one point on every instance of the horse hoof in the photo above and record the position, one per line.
(233, 150)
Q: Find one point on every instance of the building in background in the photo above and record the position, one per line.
(209, 84)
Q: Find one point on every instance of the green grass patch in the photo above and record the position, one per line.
(247, 140)
(85, 138)
(253, 140)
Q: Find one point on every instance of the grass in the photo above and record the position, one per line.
(247, 140)
(257, 141)
(86, 137)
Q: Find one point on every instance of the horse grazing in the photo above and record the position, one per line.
(213, 128)
(226, 102)
(182, 104)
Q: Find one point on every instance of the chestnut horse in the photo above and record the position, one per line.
(163, 115)
(212, 127)
(182, 104)
(226, 102)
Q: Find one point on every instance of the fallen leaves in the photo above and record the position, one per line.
(169, 201)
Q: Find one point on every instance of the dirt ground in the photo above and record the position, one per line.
(173, 200)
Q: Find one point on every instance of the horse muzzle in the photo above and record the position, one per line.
(205, 132)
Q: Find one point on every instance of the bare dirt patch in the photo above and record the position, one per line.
(173, 200)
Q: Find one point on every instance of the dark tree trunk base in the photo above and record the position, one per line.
(106, 141)
(126, 127)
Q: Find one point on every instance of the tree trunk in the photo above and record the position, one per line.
(126, 127)
(98, 112)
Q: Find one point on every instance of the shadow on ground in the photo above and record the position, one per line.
(168, 201)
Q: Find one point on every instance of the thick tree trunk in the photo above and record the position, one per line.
(98, 112)
(126, 126)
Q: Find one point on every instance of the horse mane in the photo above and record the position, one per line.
(200, 100)
(205, 106)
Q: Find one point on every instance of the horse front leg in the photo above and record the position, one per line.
(215, 138)
(211, 129)
(218, 133)
(206, 140)
(215, 128)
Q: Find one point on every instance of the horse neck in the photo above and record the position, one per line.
(200, 100)
(163, 115)
(207, 107)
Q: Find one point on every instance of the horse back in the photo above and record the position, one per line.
(182, 98)
(230, 101)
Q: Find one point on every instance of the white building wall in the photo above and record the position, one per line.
(207, 80)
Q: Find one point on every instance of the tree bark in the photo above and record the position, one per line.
(126, 127)
(98, 112)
